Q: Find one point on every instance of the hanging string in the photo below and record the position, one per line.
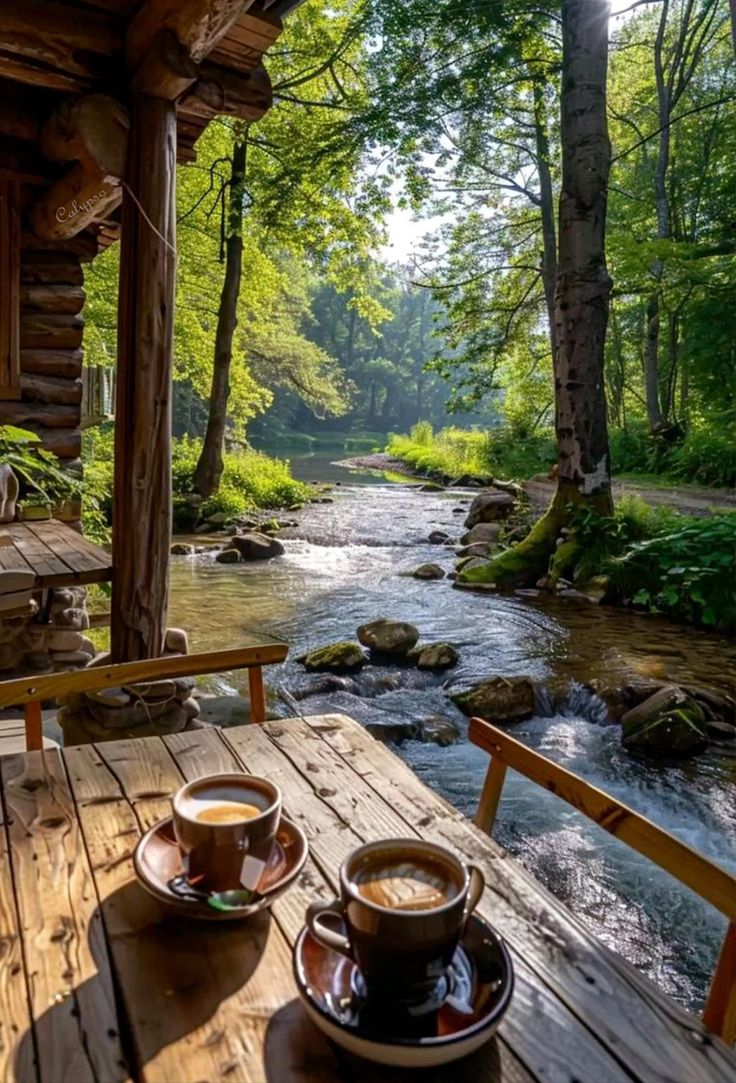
(135, 199)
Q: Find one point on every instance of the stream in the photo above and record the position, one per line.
(343, 566)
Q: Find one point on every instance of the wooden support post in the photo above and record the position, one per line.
(142, 488)
(34, 726)
(719, 1014)
(490, 795)
(257, 695)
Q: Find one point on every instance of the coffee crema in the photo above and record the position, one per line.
(410, 882)
(232, 813)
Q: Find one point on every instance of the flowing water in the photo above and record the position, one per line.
(343, 566)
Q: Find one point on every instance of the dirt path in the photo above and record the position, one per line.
(690, 501)
(687, 499)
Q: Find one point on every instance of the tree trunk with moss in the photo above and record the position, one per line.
(581, 305)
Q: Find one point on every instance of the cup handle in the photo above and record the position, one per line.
(330, 938)
(476, 889)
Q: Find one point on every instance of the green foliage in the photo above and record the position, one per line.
(39, 471)
(250, 480)
(480, 453)
(661, 560)
(706, 455)
(688, 572)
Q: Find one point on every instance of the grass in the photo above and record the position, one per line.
(250, 480)
(453, 452)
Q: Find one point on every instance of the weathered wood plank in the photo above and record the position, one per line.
(36, 552)
(65, 951)
(16, 1047)
(67, 363)
(337, 807)
(25, 689)
(77, 552)
(143, 390)
(204, 1002)
(620, 1006)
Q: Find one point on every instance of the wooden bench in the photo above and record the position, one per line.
(57, 555)
(30, 692)
(704, 877)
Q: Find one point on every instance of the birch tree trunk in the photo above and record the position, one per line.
(583, 283)
(581, 306)
(210, 465)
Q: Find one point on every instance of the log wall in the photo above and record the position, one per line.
(51, 328)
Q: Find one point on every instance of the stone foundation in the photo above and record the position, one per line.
(46, 639)
(145, 709)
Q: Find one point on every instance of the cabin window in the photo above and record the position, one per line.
(9, 290)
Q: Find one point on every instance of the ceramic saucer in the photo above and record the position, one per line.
(157, 862)
(472, 1003)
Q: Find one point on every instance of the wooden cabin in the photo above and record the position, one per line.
(99, 100)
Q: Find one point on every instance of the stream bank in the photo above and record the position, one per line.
(345, 565)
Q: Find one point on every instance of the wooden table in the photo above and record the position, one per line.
(56, 554)
(98, 984)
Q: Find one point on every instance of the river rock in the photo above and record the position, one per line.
(436, 656)
(501, 700)
(466, 564)
(669, 723)
(477, 549)
(255, 546)
(181, 549)
(431, 487)
(597, 589)
(438, 537)
(388, 636)
(489, 507)
(342, 657)
(176, 641)
(439, 730)
(428, 571)
(228, 556)
(481, 532)
(721, 731)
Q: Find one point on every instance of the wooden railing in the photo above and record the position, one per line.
(30, 692)
(707, 879)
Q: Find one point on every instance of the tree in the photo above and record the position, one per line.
(581, 304)
(210, 465)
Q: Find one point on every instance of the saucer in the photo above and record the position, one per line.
(157, 861)
(479, 987)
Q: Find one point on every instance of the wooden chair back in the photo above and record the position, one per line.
(707, 879)
(30, 692)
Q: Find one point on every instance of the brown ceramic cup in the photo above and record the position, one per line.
(221, 856)
(401, 949)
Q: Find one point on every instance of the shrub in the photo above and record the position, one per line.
(705, 456)
(663, 561)
(452, 452)
(250, 480)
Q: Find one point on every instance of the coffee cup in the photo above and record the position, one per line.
(225, 826)
(403, 905)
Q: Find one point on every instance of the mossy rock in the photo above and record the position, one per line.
(668, 724)
(342, 657)
(435, 656)
(501, 700)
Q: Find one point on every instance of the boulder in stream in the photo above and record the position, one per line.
(388, 636)
(428, 571)
(255, 546)
(481, 532)
(181, 549)
(489, 508)
(501, 700)
(669, 723)
(228, 556)
(342, 657)
(435, 656)
(438, 537)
